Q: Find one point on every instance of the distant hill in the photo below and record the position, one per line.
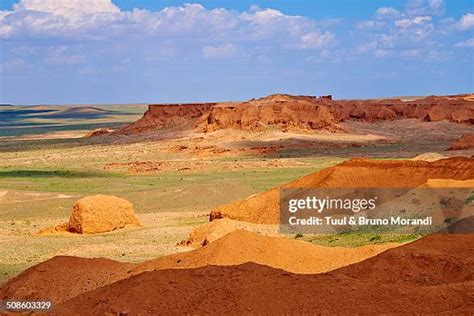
(80, 112)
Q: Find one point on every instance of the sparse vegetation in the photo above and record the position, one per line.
(361, 239)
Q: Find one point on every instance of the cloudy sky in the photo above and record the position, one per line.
(123, 51)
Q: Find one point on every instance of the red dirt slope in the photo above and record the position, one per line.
(437, 278)
(433, 260)
(356, 173)
(62, 278)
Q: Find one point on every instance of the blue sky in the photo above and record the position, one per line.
(102, 51)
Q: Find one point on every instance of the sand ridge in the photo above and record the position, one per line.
(291, 255)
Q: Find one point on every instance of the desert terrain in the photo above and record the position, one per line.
(200, 218)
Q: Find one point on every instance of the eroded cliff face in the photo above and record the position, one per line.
(284, 114)
(431, 109)
(299, 112)
(179, 116)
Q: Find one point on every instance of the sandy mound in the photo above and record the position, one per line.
(432, 275)
(428, 157)
(62, 278)
(99, 132)
(356, 173)
(96, 214)
(465, 142)
(279, 252)
(214, 230)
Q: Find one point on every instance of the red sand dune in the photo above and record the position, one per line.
(299, 112)
(356, 173)
(432, 275)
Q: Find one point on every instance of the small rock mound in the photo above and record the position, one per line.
(464, 143)
(428, 157)
(212, 231)
(97, 214)
(99, 132)
(101, 213)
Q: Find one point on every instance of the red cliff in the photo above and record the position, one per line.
(299, 112)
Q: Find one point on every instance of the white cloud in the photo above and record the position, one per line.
(415, 28)
(410, 37)
(387, 13)
(63, 7)
(101, 19)
(466, 43)
(466, 22)
(370, 25)
(316, 39)
(425, 7)
(407, 23)
(224, 50)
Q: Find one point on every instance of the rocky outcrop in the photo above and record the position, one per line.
(299, 112)
(99, 132)
(177, 116)
(96, 214)
(464, 143)
(285, 114)
(101, 213)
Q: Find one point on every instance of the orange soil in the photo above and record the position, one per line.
(288, 254)
(61, 278)
(449, 183)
